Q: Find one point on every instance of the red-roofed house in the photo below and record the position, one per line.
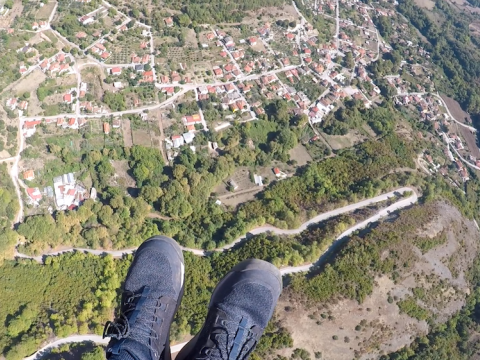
(229, 88)
(44, 64)
(148, 76)
(116, 70)
(175, 77)
(34, 194)
(31, 124)
(169, 90)
(29, 175)
(67, 98)
(106, 128)
(23, 105)
(168, 21)
(63, 68)
(12, 103)
(192, 120)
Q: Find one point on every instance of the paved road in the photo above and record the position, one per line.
(268, 228)
(402, 203)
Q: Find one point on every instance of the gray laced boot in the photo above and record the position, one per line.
(152, 293)
(240, 308)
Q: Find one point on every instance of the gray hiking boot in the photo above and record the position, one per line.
(152, 293)
(240, 308)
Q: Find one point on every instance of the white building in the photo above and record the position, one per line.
(67, 192)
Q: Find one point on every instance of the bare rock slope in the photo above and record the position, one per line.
(432, 250)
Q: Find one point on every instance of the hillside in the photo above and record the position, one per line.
(419, 275)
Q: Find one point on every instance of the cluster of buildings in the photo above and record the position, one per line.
(66, 192)
(427, 106)
(15, 103)
(41, 25)
(57, 64)
(100, 50)
(29, 127)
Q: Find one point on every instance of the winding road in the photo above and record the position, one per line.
(400, 204)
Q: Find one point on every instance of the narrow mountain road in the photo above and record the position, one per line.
(402, 203)
(266, 228)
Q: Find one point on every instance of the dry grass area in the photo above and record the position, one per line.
(29, 83)
(246, 188)
(382, 323)
(338, 142)
(94, 77)
(427, 4)
(142, 137)
(456, 110)
(122, 177)
(127, 133)
(435, 278)
(463, 5)
(464, 117)
(300, 154)
(44, 12)
(6, 21)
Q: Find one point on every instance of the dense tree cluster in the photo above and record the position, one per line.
(381, 119)
(73, 293)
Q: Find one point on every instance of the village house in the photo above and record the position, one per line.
(116, 71)
(34, 194)
(85, 20)
(29, 175)
(192, 119)
(168, 21)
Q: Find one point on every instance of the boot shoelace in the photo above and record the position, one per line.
(123, 326)
(221, 338)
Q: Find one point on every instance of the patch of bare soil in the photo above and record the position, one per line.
(437, 255)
